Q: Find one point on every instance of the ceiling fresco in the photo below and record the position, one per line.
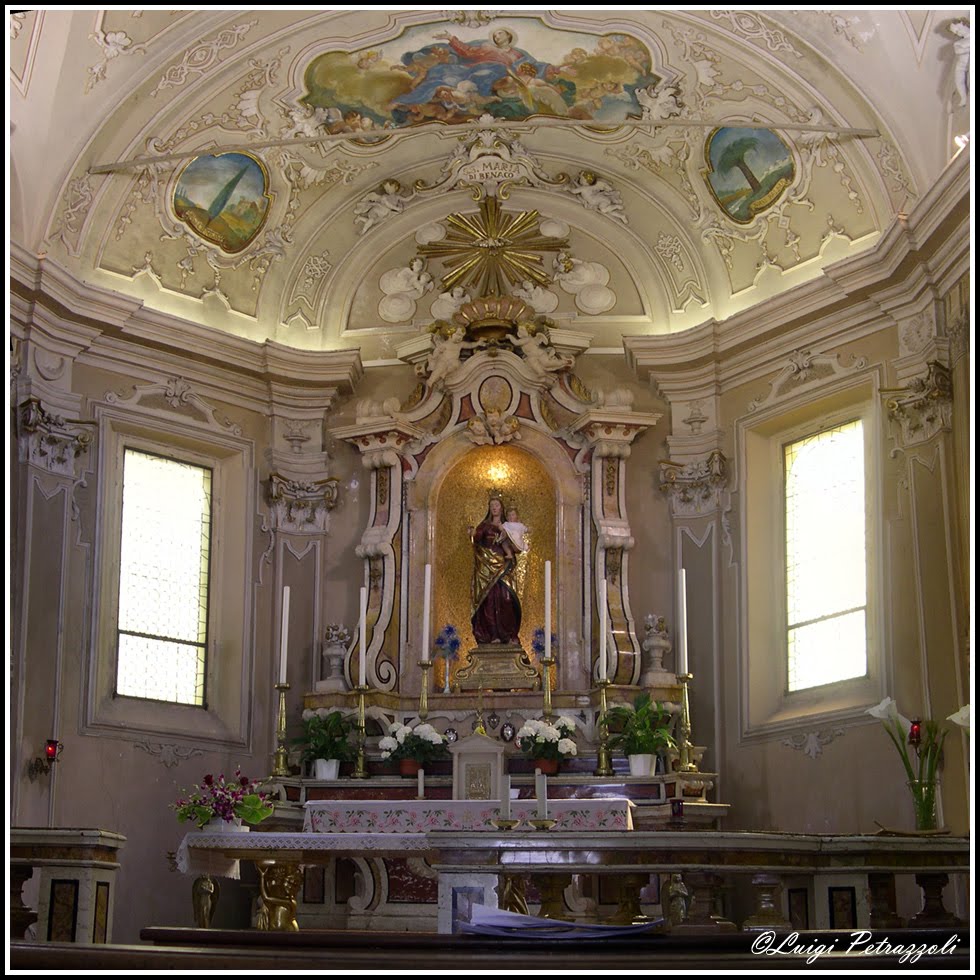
(512, 69)
(332, 179)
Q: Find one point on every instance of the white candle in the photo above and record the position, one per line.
(547, 608)
(421, 784)
(603, 630)
(283, 634)
(541, 793)
(505, 797)
(682, 623)
(362, 659)
(426, 602)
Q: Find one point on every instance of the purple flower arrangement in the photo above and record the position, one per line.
(218, 798)
(537, 643)
(448, 643)
(447, 647)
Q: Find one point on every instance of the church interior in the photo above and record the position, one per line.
(478, 369)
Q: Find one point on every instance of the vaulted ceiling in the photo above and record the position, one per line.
(688, 164)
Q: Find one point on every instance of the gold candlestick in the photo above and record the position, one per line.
(426, 666)
(546, 664)
(687, 763)
(280, 764)
(603, 762)
(360, 769)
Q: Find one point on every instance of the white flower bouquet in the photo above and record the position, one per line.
(421, 743)
(542, 740)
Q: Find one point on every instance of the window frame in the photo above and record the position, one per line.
(767, 707)
(223, 718)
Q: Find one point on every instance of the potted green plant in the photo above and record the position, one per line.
(641, 731)
(326, 741)
(224, 805)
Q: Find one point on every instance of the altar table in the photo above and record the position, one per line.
(490, 867)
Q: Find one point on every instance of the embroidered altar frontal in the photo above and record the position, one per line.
(421, 816)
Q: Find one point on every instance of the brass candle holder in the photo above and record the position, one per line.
(505, 824)
(547, 663)
(603, 760)
(426, 666)
(542, 823)
(687, 763)
(280, 762)
(360, 768)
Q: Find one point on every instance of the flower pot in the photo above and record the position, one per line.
(409, 768)
(642, 765)
(217, 825)
(326, 768)
(548, 766)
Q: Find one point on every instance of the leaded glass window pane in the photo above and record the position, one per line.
(826, 567)
(163, 578)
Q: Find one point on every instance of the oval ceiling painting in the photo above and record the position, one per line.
(224, 199)
(512, 68)
(748, 170)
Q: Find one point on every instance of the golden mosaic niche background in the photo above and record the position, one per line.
(461, 501)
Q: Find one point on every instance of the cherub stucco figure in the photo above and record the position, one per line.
(539, 355)
(597, 194)
(446, 354)
(379, 205)
(403, 288)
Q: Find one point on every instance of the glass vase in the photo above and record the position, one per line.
(924, 803)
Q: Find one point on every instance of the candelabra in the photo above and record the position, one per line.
(603, 763)
(687, 763)
(426, 666)
(280, 765)
(360, 768)
(546, 664)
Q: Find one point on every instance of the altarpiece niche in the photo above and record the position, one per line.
(505, 417)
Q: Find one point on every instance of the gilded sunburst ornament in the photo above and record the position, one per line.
(493, 249)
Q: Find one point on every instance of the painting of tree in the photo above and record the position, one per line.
(748, 170)
(223, 199)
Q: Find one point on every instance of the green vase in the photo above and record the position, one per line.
(924, 802)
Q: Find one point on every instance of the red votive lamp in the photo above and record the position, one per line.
(51, 747)
(915, 732)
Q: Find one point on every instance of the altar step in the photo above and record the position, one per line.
(200, 950)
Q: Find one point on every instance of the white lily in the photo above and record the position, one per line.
(961, 717)
(887, 710)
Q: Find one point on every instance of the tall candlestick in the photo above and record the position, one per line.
(682, 623)
(603, 630)
(284, 634)
(547, 609)
(362, 657)
(426, 602)
(505, 796)
(541, 793)
(421, 784)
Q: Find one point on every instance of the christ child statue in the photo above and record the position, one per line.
(514, 531)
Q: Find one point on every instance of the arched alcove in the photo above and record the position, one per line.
(450, 492)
